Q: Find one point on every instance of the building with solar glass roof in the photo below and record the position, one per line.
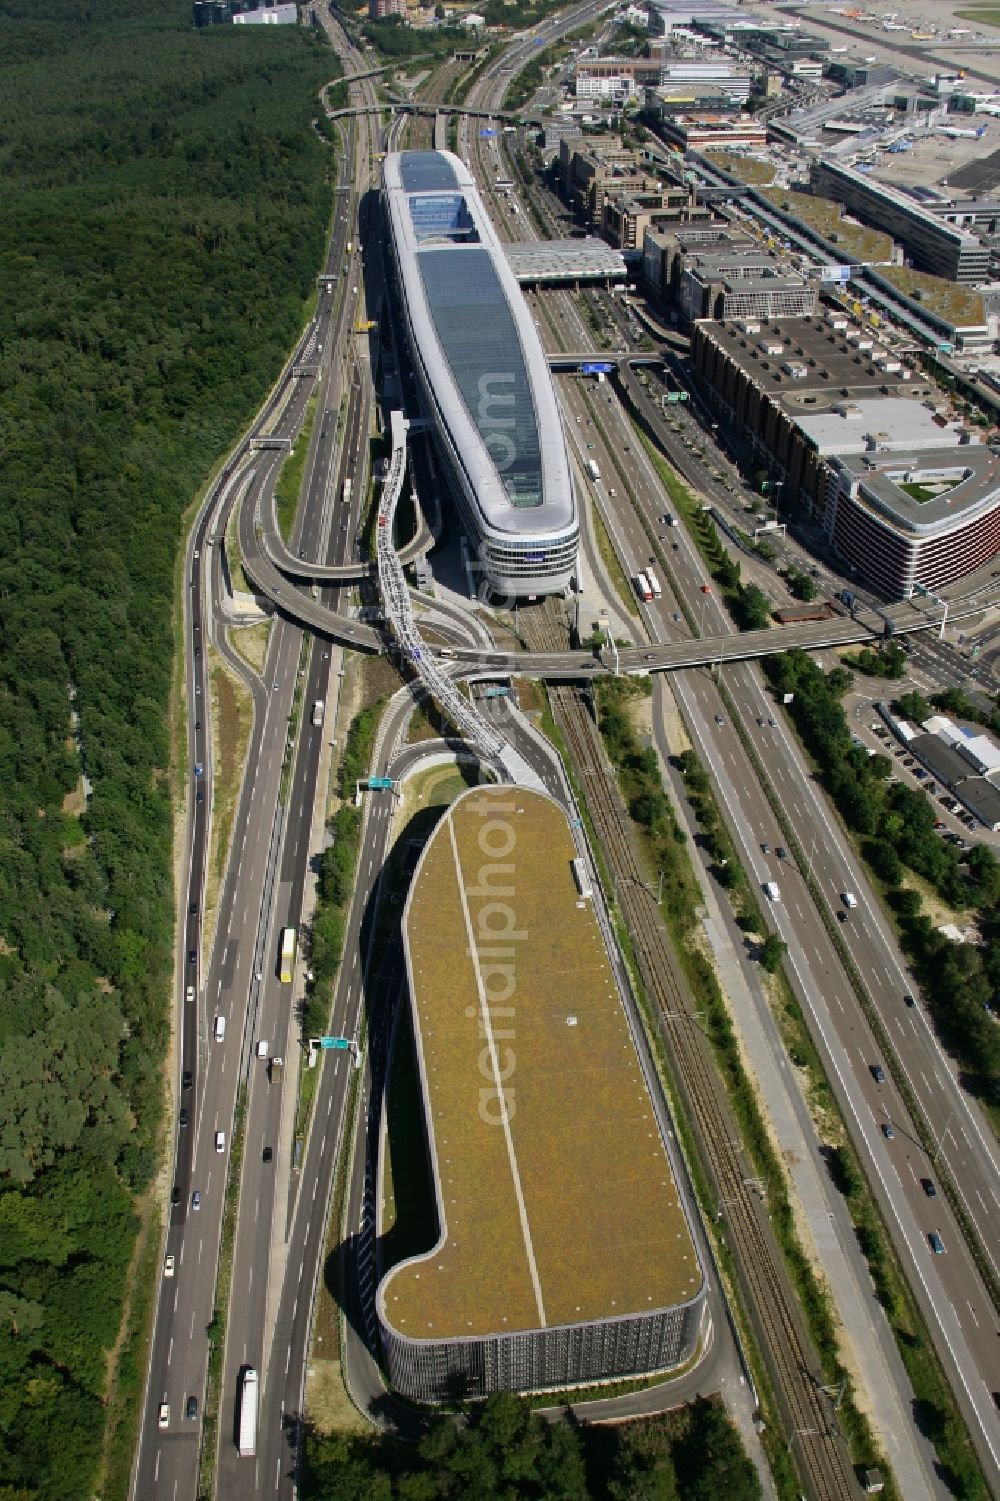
(482, 374)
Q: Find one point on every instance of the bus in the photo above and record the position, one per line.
(654, 584)
(641, 586)
(247, 1442)
(593, 470)
(289, 939)
(347, 492)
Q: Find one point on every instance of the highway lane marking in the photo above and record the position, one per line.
(973, 1312)
(156, 1468)
(170, 1350)
(199, 1250)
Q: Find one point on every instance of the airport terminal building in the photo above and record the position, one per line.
(482, 375)
(565, 1252)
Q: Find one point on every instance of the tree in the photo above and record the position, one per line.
(754, 608)
(771, 953)
(913, 706)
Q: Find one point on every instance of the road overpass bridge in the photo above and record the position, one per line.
(574, 359)
(415, 107)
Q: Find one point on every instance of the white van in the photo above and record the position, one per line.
(220, 1141)
(850, 900)
(262, 1048)
(771, 891)
(220, 1028)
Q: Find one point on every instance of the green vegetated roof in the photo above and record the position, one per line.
(568, 1212)
(960, 305)
(747, 168)
(825, 217)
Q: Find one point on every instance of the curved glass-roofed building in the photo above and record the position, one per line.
(482, 373)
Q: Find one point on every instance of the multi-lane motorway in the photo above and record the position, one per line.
(281, 1208)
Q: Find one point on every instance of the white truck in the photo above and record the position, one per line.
(593, 471)
(771, 891)
(319, 709)
(247, 1444)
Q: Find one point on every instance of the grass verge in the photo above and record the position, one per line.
(232, 720)
(128, 1382)
(289, 486)
(610, 560)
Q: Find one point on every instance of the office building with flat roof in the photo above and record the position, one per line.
(932, 243)
(858, 441)
(482, 374)
(743, 283)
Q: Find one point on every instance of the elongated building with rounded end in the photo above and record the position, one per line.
(564, 1252)
(483, 376)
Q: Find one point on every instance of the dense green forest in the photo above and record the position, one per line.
(165, 200)
(507, 1453)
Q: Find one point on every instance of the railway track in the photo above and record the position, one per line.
(818, 1449)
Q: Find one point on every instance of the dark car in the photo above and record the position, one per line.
(929, 1187)
(192, 956)
(200, 798)
(193, 908)
(175, 1194)
(185, 1118)
(841, 915)
(268, 1154)
(878, 1073)
(191, 1411)
(887, 1131)
(937, 1244)
(197, 724)
(187, 1079)
(909, 1002)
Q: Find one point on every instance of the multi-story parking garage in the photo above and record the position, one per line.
(482, 375)
(564, 1251)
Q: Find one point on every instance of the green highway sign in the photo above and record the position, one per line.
(380, 784)
(334, 1042)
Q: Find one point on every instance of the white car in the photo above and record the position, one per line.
(164, 1417)
(220, 1141)
(850, 900)
(168, 1266)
